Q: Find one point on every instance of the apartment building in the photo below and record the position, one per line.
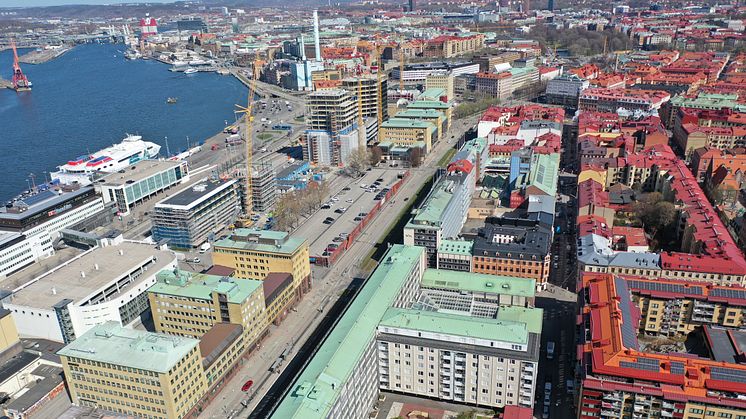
(455, 255)
(414, 332)
(618, 376)
(134, 373)
(187, 304)
(107, 283)
(140, 182)
(434, 117)
(610, 100)
(418, 72)
(332, 132)
(443, 212)
(263, 188)
(670, 308)
(188, 218)
(254, 254)
(373, 94)
(448, 46)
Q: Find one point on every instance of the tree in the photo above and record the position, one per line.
(655, 213)
(375, 155)
(357, 162)
(287, 211)
(415, 156)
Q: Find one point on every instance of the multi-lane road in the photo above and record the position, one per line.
(329, 284)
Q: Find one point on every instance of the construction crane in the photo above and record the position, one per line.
(248, 209)
(362, 142)
(20, 81)
(379, 52)
(401, 69)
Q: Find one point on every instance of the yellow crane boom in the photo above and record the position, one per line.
(248, 137)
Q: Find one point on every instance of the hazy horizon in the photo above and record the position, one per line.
(46, 3)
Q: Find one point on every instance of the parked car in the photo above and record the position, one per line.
(357, 219)
(545, 413)
(326, 206)
(344, 235)
(338, 240)
(362, 214)
(196, 260)
(247, 385)
(349, 201)
(346, 188)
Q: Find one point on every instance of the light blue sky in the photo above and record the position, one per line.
(34, 3)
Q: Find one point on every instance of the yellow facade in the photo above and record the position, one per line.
(135, 392)
(258, 263)
(702, 411)
(408, 136)
(597, 175)
(682, 316)
(8, 332)
(440, 81)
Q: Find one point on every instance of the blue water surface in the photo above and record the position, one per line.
(91, 97)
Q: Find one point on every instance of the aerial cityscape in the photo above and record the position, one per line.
(369, 209)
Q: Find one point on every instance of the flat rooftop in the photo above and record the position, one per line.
(195, 194)
(111, 343)
(261, 241)
(41, 201)
(138, 171)
(66, 281)
(201, 286)
(473, 282)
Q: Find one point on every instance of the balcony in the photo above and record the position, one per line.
(612, 396)
(609, 413)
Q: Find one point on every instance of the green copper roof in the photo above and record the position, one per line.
(317, 388)
(456, 325)
(531, 317)
(407, 123)
(431, 211)
(261, 241)
(544, 172)
(459, 247)
(710, 101)
(433, 93)
(428, 104)
(419, 113)
(201, 286)
(473, 282)
(113, 344)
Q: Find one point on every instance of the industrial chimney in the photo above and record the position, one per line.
(316, 40)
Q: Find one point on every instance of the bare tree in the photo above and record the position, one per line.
(357, 162)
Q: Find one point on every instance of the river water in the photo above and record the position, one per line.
(91, 97)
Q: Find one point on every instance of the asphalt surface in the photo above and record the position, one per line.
(329, 284)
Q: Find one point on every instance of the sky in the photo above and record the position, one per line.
(35, 3)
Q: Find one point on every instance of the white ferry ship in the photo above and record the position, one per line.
(109, 160)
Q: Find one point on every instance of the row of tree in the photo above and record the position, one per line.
(580, 41)
(292, 206)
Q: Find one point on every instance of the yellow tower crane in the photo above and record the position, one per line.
(248, 209)
(379, 81)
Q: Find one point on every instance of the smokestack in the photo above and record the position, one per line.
(302, 47)
(316, 40)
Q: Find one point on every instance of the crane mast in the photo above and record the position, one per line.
(247, 111)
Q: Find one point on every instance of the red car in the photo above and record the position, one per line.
(247, 385)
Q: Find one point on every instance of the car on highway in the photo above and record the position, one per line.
(247, 385)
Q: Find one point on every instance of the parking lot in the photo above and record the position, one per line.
(345, 210)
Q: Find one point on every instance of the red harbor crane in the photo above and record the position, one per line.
(20, 81)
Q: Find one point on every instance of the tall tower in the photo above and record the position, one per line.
(412, 5)
(316, 40)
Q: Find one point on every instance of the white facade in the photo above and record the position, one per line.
(88, 290)
(66, 219)
(18, 251)
(444, 367)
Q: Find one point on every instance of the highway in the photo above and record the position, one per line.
(328, 285)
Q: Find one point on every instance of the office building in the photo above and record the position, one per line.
(190, 217)
(332, 132)
(419, 72)
(565, 90)
(441, 80)
(498, 85)
(188, 304)
(107, 283)
(18, 251)
(140, 182)
(254, 254)
(400, 135)
(194, 24)
(263, 188)
(134, 373)
(411, 330)
(41, 216)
